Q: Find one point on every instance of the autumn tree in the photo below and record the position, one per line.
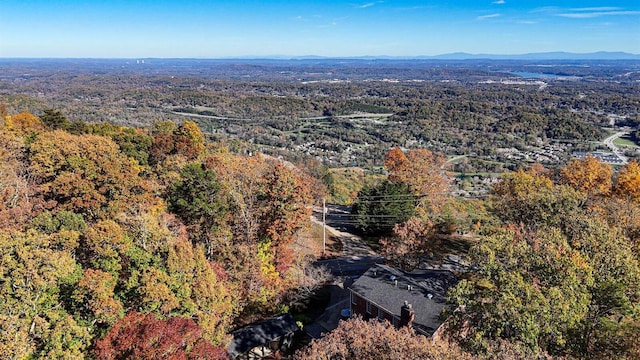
(104, 245)
(567, 290)
(243, 179)
(33, 321)
(242, 245)
(24, 123)
(287, 200)
(132, 142)
(269, 204)
(409, 241)
(85, 174)
(588, 175)
(19, 200)
(138, 336)
(623, 213)
(423, 171)
(169, 139)
(359, 339)
(534, 200)
(516, 294)
(189, 139)
(150, 227)
(628, 183)
(596, 236)
(395, 159)
(65, 229)
(95, 299)
(190, 286)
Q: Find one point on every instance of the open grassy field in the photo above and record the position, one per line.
(625, 142)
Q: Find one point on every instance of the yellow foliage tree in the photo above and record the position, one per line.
(23, 123)
(188, 286)
(191, 131)
(628, 184)
(588, 175)
(85, 174)
(32, 321)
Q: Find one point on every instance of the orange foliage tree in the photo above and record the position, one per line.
(287, 200)
(169, 139)
(269, 203)
(96, 292)
(588, 175)
(423, 171)
(628, 184)
(409, 241)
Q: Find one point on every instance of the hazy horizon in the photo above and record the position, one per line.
(552, 55)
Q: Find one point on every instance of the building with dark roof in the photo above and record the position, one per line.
(606, 157)
(416, 298)
(264, 338)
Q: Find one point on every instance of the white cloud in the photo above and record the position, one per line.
(483, 17)
(594, 14)
(499, 2)
(364, 6)
(600, 8)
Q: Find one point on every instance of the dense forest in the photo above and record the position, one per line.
(98, 221)
(149, 215)
(141, 241)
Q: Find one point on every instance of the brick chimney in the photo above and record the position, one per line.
(406, 314)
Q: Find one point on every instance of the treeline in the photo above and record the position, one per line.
(119, 240)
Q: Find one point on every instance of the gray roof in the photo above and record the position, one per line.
(378, 286)
(260, 333)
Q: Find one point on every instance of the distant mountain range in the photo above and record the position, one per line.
(558, 55)
(460, 56)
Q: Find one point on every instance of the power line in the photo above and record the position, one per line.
(368, 215)
(398, 201)
(407, 195)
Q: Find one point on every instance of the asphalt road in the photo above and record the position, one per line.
(350, 266)
(356, 255)
(609, 143)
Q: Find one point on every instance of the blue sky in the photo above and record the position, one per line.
(213, 29)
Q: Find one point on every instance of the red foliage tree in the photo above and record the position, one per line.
(138, 336)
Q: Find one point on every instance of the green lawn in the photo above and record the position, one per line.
(624, 142)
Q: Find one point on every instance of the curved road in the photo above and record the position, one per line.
(609, 143)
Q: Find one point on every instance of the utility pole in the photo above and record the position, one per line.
(324, 225)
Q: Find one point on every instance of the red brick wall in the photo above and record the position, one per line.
(358, 305)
